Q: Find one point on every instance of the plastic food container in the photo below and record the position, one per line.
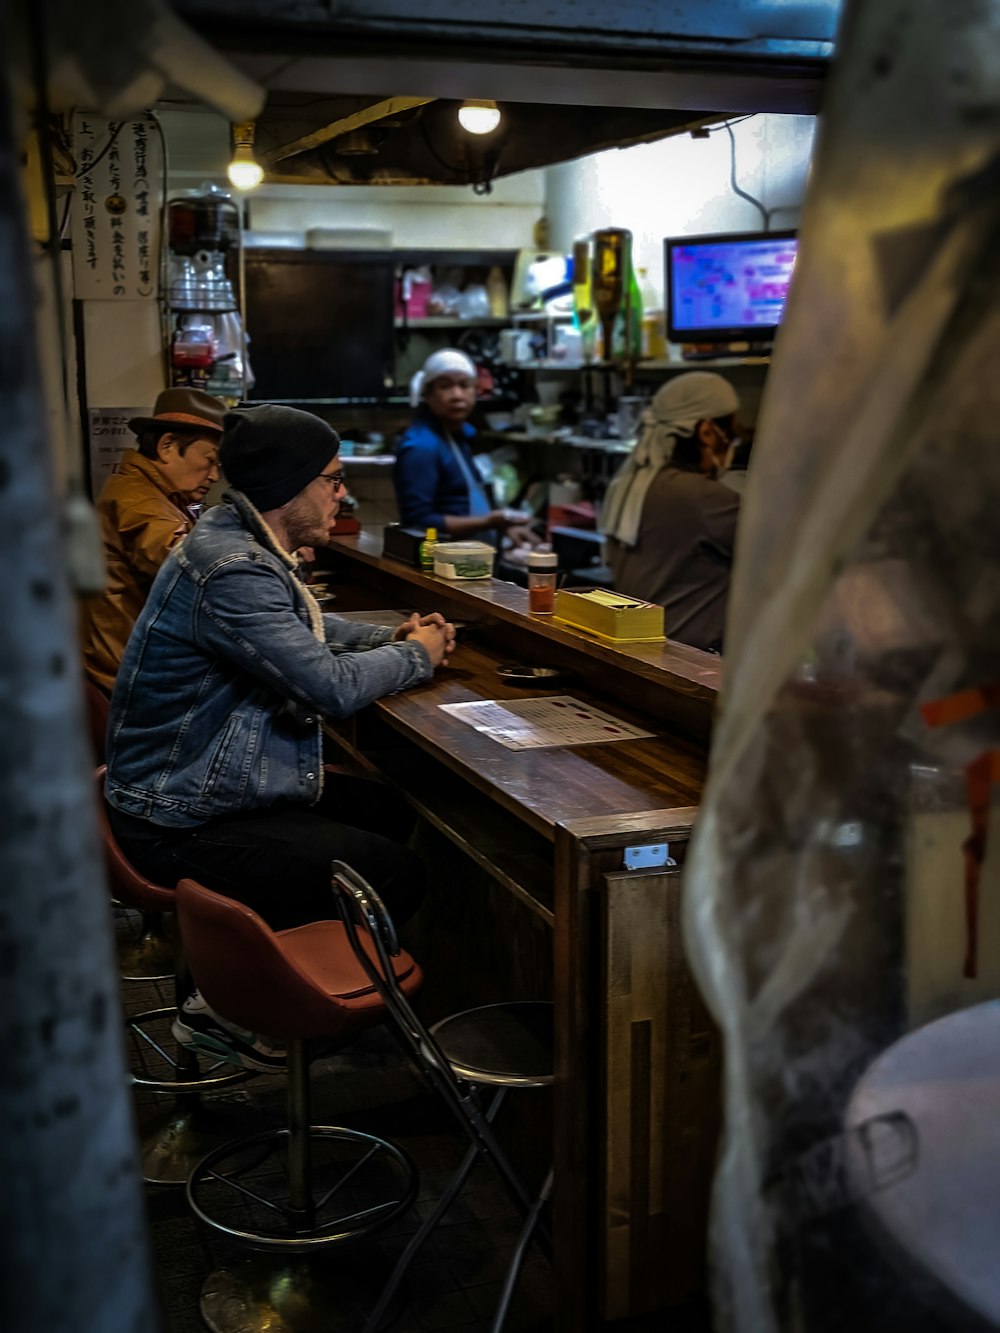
(463, 560)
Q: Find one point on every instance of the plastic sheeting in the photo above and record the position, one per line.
(120, 56)
(842, 890)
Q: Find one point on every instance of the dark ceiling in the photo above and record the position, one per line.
(426, 143)
(367, 92)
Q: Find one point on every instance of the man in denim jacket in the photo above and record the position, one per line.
(215, 762)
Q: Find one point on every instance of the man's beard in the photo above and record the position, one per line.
(306, 528)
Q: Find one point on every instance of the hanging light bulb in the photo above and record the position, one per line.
(479, 117)
(244, 171)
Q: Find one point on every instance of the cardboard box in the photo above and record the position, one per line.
(611, 615)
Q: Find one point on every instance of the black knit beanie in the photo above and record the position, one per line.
(271, 453)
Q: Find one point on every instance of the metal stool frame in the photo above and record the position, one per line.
(306, 981)
(302, 1229)
(362, 910)
(175, 1139)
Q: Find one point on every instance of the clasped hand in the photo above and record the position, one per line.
(435, 633)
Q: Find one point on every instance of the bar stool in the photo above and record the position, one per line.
(303, 986)
(502, 1046)
(150, 955)
(174, 1140)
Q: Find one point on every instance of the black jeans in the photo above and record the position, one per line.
(278, 861)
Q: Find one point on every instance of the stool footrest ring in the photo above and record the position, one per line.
(187, 1076)
(366, 1182)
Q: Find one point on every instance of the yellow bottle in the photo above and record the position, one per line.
(584, 314)
(496, 290)
(427, 550)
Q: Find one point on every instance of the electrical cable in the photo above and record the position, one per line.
(725, 124)
(43, 126)
(765, 213)
(166, 332)
(81, 535)
(456, 171)
(65, 217)
(84, 171)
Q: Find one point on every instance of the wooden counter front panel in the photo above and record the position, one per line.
(637, 1078)
(661, 1075)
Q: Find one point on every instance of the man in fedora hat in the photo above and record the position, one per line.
(215, 753)
(145, 510)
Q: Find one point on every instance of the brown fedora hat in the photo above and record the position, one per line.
(190, 409)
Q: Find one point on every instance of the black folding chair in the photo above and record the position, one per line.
(502, 1046)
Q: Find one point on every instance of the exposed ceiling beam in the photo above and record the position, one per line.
(390, 106)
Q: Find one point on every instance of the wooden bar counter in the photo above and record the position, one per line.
(532, 894)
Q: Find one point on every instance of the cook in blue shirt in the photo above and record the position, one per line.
(437, 482)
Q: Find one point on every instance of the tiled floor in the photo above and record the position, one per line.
(456, 1279)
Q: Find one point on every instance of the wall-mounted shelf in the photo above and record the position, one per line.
(541, 316)
(640, 366)
(453, 322)
(605, 445)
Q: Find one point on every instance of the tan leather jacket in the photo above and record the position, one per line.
(141, 519)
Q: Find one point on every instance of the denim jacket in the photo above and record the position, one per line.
(217, 704)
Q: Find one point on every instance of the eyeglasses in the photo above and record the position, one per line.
(336, 479)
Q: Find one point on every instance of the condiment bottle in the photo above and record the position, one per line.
(496, 290)
(542, 582)
(427, 550)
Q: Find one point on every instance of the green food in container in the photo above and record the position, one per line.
(463, 560)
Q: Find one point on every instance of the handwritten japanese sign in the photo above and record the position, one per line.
(116, 210)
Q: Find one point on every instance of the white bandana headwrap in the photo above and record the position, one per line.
(676, 409)
(448, 361)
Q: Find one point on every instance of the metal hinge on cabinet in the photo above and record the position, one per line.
(649, 857)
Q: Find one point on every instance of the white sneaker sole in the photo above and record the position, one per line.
(222, 1050)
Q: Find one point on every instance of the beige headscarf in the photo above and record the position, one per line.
(676, 409)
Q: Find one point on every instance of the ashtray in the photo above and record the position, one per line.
(516, 673)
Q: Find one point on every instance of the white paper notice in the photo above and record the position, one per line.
(116, 209)
(110, 438)
(533, 724)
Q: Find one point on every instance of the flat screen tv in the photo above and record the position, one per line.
(729, 287)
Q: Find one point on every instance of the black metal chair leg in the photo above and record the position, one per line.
(416, 1241)
(517, 1259)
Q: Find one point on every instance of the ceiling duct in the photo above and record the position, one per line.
(357, 143)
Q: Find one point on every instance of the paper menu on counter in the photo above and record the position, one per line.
(534, 724)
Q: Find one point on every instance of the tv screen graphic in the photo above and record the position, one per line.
(728, 288)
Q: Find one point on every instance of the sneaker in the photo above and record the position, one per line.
(200, 1028)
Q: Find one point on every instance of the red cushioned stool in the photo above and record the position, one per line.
(149, 956)
(174, 1139)
(306, 988)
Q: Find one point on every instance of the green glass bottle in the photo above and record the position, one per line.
(633, 312)
(627, 336)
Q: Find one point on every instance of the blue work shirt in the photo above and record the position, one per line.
(430, 480)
